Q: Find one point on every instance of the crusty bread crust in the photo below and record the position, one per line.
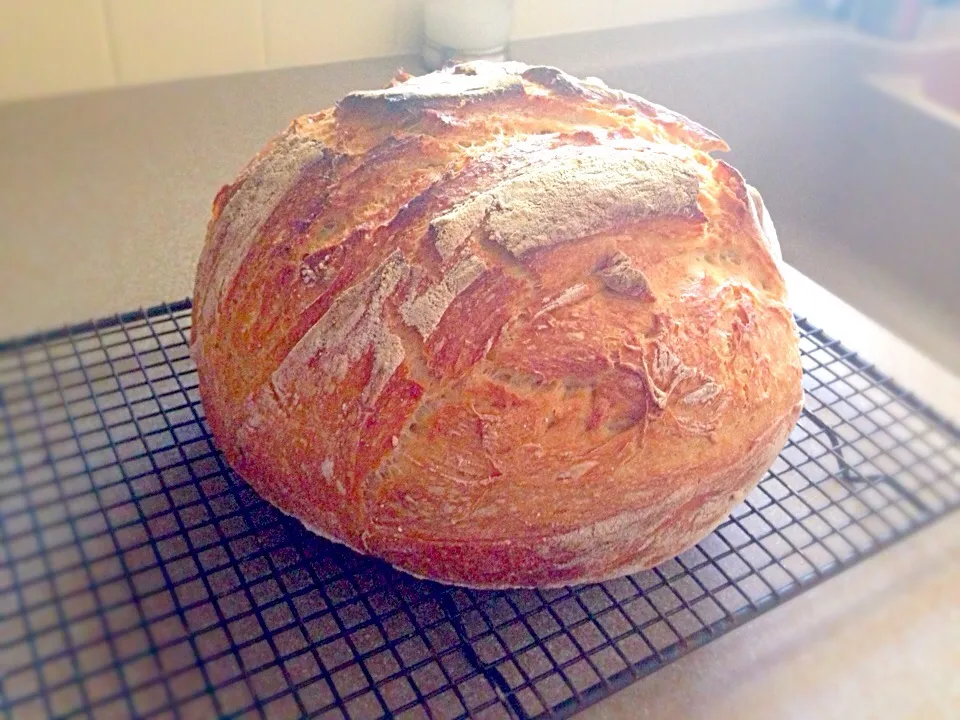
(498, 326)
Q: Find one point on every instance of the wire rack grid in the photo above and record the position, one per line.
(140, 577)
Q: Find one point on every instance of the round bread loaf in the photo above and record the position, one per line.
(497, 326)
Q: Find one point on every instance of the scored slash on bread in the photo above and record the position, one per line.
(497, 326)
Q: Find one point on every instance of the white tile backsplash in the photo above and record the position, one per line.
(54, 46)
(309, 32)
(167, 39)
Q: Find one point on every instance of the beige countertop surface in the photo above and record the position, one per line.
(103, 202)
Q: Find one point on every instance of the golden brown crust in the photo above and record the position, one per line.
(497, 325)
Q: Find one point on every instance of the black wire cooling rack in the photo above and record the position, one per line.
(139, 577)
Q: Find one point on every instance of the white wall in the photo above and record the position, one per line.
(50, 47)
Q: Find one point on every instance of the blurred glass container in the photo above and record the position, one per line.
(456, 30)
(893, 19)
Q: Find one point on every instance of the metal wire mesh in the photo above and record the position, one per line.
(139, 577)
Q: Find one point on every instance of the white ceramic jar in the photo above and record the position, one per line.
(465, 30)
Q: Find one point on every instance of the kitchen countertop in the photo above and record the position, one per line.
(103, 202)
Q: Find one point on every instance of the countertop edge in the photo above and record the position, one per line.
(922, 376)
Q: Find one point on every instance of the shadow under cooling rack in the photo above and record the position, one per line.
(139, 577)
